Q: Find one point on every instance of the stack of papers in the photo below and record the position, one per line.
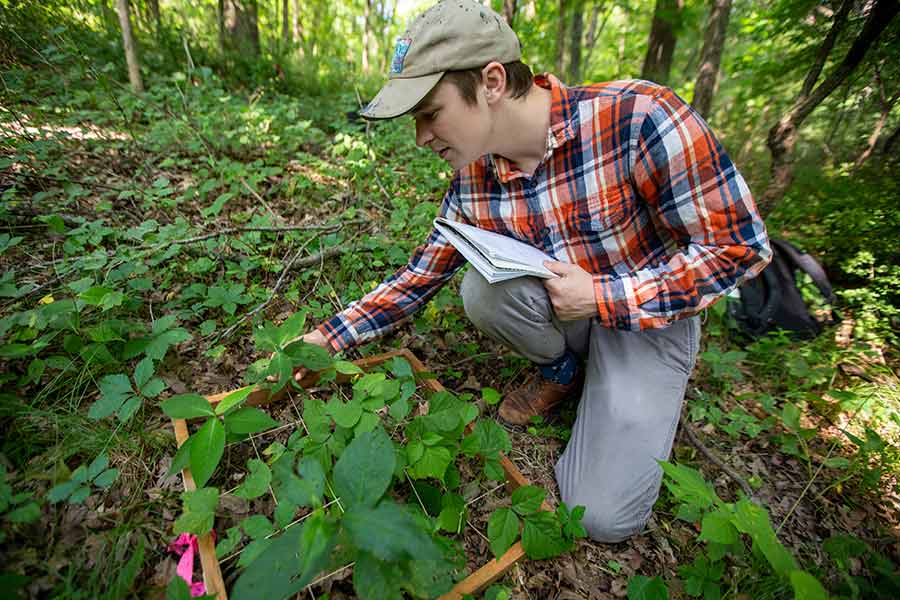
(497, 257)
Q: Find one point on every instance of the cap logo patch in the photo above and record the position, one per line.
(400, 51)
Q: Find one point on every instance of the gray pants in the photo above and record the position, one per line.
(629, 408)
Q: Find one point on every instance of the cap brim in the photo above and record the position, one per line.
(399, 96)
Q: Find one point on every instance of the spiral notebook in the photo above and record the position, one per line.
(497, 257)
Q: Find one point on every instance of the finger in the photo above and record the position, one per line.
(558, 268)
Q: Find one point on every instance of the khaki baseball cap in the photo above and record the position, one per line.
(452, 35)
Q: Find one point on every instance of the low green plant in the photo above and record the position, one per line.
(83, 481)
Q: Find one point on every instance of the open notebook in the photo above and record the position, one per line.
(497, 257)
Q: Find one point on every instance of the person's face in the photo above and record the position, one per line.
(451, 128)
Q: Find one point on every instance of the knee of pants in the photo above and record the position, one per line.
(474, 290)
(606, 521)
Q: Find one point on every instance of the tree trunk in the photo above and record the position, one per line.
(594, 30)
(561, 39)
(157, 20)
(782, 138)
(576, 35)
(887, 105)
(661, 44)
(286, 24)
(239, 30)
(365, 37)
(509, 11)
(298, 29)
(131, 57)
(711, 56)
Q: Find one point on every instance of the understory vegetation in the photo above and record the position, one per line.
(161, 247)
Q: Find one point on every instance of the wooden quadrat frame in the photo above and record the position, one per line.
(472, 584)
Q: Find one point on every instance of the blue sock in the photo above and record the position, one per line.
(563, 370)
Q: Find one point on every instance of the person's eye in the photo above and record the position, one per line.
(431, 116)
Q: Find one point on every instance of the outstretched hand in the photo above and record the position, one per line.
(571, 291)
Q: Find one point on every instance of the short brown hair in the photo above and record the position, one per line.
(519, 80)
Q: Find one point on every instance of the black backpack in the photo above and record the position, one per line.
(773, 301)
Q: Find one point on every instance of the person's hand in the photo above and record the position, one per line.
(571, 291)
(313, 337)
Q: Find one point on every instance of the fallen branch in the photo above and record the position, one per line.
(693, 439)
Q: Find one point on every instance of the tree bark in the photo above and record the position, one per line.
(782, 138)
(576, 35)
(131, 56)
(365, 37)
(594, 30)
(286, 24)
(157, 19)
(509, 11)
(887, 105)
(239, 30)
(661, 44)
(711, 56)
(561, 39)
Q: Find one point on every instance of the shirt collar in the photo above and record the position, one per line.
(561, 129)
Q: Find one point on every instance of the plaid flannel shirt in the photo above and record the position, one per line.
(635, 189)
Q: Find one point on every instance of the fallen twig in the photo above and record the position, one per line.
(693, 439)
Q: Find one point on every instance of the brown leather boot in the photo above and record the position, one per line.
(536, 396)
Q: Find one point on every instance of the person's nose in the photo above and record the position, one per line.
(423, 133)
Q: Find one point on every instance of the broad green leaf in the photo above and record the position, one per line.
(688, 485)
(153, 388)
(542, 536)
(644, 588)
(493, 470)
(790, 416)
(127, 410)
(115, 390)
(400, 367)
(345, 414)
(256, 482)
(503, 530)
(347, 368)
(106, 478)
(807, 587)
(491, 438)
(252, 550)
(80, 494)
(182, 457)
(199, 511)
(157, 347)
(178, 589)
(97, 466)
(233, 399)
(318, 539)
(389, 532)
(434, 462)
(527, 499)
(367, 422)
(374, 579)
(273, 572)
(143, 372)
(371, 454)
(95, 295)
(753, 520)
(207, 448)
(453, 514)
(224, 547)
(60, 492)
(717, 527)
(187, 406)
(26, 513)
(490, 396)
(249, 420)
(310, 356)
(292, 327)
(257, 526)
(306, 490)
(400, 409)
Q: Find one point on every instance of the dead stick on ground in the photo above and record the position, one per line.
(692, 437)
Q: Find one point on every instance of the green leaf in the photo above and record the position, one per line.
(249, 420)
(503, 530)
(688, 486)
(717, 527)
(345, 414)
(389, 532)
(233, 399)
(272, 574)
(347, 368)
(754, 521)
(400, 367)
(60, 492)
(187, 406)
(143, 372)
(257, 526)
(644, 588)
(182, 458)
(80, 495)
(27, 513)
(790, 416)
(97, 466)
(807, 587)
(305, 491)
(95, 295)
(106, 478)
(490, 438)
(115, 390)
(178, 589)
(207, 448)
(199, 511)
(157, 347)
(370, 453)
(434, 463)
(493, 470)
(224, 547)
(374, 579)
(453, 514)
(153, 388)
(527, 499)
(310, 356)
(490, 396)
(257, 481)
(318, 539)
(542, 536)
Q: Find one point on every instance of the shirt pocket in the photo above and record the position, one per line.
(603, 211)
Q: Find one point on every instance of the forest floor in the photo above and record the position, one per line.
(284, 163)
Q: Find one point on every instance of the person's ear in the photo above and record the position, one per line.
(493, 78)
